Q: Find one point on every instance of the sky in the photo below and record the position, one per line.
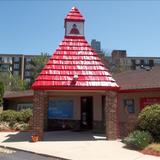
(35, 26)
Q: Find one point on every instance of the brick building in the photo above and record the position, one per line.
(137, 89)
(76, 91)
(72, 85)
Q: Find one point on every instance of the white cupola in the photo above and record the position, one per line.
(74, 23)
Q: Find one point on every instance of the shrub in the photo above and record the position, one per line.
(20, 126)
(9, 116)
(17, 120)
(149, 120)
(138, 139)
(25, 115)
(12, 116)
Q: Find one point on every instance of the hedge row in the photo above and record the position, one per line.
(13, 117)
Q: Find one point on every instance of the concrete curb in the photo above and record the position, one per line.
(40, 154)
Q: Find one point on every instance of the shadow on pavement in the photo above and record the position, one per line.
(18, 137)
(72, 136)
(56, 136)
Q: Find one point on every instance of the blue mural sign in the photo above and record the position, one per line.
(60, 109)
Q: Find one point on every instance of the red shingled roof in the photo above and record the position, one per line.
(74, 57)
(74, 65)
(74, 15)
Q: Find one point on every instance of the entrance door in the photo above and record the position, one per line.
(86, 112)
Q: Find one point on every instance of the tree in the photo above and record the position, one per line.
(5, 79)
(16, 83)
(106, 52)
(11, 82)
(1, 92)
(37, 64)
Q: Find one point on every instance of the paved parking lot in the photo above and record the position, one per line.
(8, 154)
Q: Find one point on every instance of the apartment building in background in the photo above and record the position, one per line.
(96, 45)
(17, 65)
(119, 61)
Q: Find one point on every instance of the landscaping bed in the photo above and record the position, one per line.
(12, 121)
(152, 149)
(146, 136)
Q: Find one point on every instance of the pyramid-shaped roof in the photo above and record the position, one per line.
(74, 15)
(74, 65)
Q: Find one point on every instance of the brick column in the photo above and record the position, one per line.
(38, 113)
(111, 115)
(46, 112)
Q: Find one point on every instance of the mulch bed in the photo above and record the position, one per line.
(11, 130)
(150, 152)
(8, 130)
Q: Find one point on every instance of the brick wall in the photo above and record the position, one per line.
(128, 126)
(39, 110)
(111, 115)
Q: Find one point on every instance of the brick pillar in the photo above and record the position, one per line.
(38, 113)
(111, 115)
(46, 112)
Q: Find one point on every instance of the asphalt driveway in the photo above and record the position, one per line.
(9, 154)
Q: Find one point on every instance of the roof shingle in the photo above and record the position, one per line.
(74, 58)
(139, 79)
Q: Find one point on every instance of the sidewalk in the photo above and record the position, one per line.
(73, 145)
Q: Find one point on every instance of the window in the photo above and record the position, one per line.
(128, 61)
(24, 106)
(27, 66)
(10, 60)
(28, 60)
(5, 59)
(27, 73)
(137, 61)
(4, 67)
(16, 59)
(146, 61)
(142, 61)
(151, 63)
(157, 61)
(16, 66)
(129, 105)
(133, 61)
(60, 109)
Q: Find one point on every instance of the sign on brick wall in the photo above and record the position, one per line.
(148, 101)
(60, 109)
